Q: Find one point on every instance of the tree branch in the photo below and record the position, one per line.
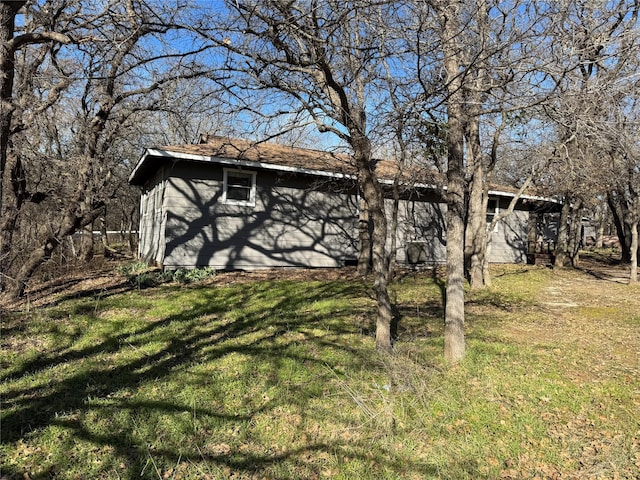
(34, 38)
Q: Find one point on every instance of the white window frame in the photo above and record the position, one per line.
(251, 202)
(491, 214)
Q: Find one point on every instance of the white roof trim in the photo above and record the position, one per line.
(241, 163)
(523, 196)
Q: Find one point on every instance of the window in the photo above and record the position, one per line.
(492, 211)
(239, 187)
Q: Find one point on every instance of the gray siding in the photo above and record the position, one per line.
(420, 237)
(294, 223)
(153, 220)
(291, 225)
(509, 243)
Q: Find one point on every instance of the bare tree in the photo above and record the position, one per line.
(454, 344)
(10, 43)
(322, 58)
(475, 45)
(595, 52)
(119, 63)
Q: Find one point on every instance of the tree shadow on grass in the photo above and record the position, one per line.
(69, 386)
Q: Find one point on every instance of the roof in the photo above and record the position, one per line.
(271, 156)
(269, 153)
(265, 155)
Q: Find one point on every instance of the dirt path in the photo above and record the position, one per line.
(595, 310)
(606, 272)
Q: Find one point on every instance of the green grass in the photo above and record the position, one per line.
(280, 379)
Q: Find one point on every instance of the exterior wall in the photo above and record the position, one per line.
(421, 235)
(151, 244)
(292, 223)
(509, 240)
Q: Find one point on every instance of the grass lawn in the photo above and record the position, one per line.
(279, 378)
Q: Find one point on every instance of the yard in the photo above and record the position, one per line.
(276, 376)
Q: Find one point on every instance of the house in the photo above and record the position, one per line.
(233, 204)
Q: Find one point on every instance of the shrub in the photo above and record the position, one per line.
(184, 275)
(132, 268)
(141, 275)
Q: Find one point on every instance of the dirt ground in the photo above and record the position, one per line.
(102, 277)
(604, 266)
(594, 312)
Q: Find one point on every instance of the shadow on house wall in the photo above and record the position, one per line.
(293, 222)
(290, 223)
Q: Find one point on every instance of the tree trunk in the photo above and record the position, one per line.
(12, 205)
(104, 237)
(485, 263)
(72, 248)
(563, 236)
(374, 197)
(131, 239)
(599, 242)
(73, 221)
(14, 177)
(454, 343)
(633, 274)
(37, 257)
(87, 244)
(78, 214)
(575, 235)
(476, 231)
(364, 239)
(476, 236)
(8, 213)
(622, 230)
(8, 220)
(393, 233)
(8, 12)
